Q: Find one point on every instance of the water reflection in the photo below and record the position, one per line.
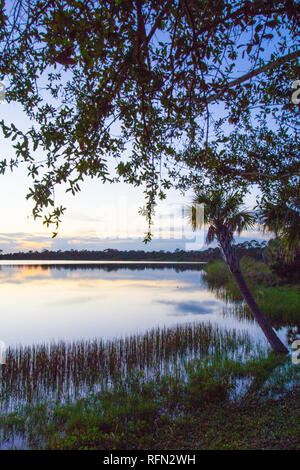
(193, 308)
(45, 302)
(56, 301)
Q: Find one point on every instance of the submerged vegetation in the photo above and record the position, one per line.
(70, 370)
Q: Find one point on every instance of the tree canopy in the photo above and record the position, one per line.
(156, 93)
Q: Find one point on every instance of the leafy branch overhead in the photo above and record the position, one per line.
(156, 93)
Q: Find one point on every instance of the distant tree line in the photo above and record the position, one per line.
(252, 248)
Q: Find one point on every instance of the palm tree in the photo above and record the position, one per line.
(283, 218)
(225, 215)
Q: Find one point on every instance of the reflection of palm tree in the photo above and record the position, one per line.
(225, 215)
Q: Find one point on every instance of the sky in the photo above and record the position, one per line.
(100, 216)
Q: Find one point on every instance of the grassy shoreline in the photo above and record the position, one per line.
(223, 404)
(279, 300)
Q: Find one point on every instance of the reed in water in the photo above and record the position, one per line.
(67, 370)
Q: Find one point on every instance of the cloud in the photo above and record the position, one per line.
(192, 308)
(22, 241)
(33, 245)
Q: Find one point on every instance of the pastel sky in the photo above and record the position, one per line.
(99, 217)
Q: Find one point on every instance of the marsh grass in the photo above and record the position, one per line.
(65, 371)
(280, 303)
(218, 274)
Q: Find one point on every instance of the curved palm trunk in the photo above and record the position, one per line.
(231, 259)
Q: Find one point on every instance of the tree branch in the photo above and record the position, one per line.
(265, 68)
(158, 19)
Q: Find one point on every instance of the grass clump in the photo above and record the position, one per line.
(208, 383)
(216, 273)
(281, 304)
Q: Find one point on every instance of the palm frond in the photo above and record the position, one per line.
(243, 220)
(221, 210)
(211, 234)
(283, 219)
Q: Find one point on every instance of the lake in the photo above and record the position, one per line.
(50, 301)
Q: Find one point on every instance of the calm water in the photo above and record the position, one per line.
(54, 300)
